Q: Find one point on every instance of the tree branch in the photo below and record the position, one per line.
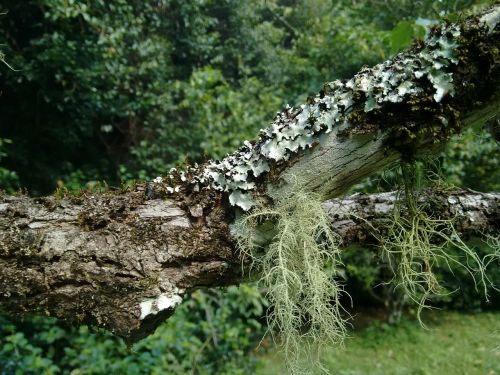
(356, 218)
(123, 262)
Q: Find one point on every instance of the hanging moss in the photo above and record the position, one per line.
(291, 241)
(297, 269)
(417, 242)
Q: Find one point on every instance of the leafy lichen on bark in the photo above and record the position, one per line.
(415, 99)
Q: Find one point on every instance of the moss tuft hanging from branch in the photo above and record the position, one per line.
(298, 269)
(293, 248)
(416, 242)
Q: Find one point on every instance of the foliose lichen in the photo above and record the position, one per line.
(296, 129)
(162, 302)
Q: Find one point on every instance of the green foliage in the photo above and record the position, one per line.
(472, 160)
(123, 90)
(404, 34)
(224, 115)
(88, 75)
(213, 332)
(305, 310)
(8, 179)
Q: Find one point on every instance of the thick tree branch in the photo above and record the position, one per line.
(123, 260)
(357, 218)
(352, 128)
(108, 259)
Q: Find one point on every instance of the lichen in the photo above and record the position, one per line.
(298, 269)
(162, 302)
(425, 70)
(417, 243)
(491, 18)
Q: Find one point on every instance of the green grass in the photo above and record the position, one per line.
(453, 344)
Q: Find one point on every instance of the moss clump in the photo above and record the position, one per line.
(304, 296)
(417, 242)
(493, 242)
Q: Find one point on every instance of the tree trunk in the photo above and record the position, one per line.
(123, 259)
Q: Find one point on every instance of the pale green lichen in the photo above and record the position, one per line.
(491, 18)
(243, 200)
(152, 306)
(298, 269)
(297, 129)
(417, 243)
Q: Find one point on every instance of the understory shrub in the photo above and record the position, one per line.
(213, 332)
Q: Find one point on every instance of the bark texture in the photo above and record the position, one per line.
(115, 260)
(357, 218)
(123, 260)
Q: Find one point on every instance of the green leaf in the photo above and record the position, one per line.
(401, 36)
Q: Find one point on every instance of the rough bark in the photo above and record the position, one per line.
(363, 218)
(111, 259)
(123, 259)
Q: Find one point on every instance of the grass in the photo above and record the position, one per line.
(454, 344)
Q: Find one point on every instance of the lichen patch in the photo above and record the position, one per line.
(160, 303)
(426, 71)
